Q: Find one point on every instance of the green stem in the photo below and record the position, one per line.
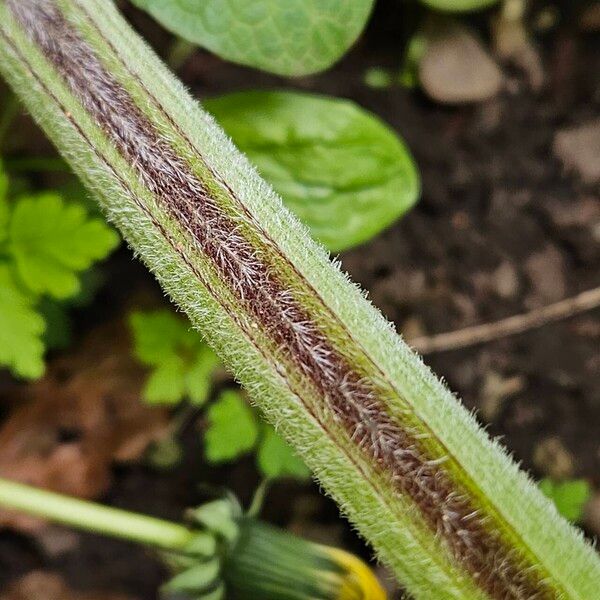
(95, 518)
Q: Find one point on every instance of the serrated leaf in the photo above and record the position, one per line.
(295, 37)
(156, 334)
(459, 5)
(570, 497)
(339, 168)
(232, 429)
(182, 363)
(166, 383)
(275, 458)
(21, 329)
(51, 242)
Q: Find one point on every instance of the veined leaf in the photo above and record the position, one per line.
(291, 37)
(339, 168)
(51, 242)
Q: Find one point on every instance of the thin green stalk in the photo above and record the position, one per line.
(94, 518)
(441, 503)
(226, 550)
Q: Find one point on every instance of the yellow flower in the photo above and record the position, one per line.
(272, 564)
(252, 560)
(357, 581)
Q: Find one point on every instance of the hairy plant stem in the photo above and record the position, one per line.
(441, 503)
(94, 518)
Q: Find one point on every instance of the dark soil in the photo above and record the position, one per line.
(500, 230)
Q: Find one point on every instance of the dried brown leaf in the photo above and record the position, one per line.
(68, 428)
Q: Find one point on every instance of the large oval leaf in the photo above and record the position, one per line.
(287, 37)
(338, 167)
(459, 5)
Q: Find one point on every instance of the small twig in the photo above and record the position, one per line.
(470, 336)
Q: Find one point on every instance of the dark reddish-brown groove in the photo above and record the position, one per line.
(354, 401)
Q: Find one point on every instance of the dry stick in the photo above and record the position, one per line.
(478, 334)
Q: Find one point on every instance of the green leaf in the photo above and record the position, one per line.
(51, 242)
(409, 72)
(570, 497)
(21, 329)
(182, 364)
(291, 37)
(166, 383)
(338, 167)
(378, 78)
(195, 579)
(232, 430)
(165, 454)
(459, 5)
(275, 458)
(156, 335)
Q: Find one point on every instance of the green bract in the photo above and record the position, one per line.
(339, 168)
(459, 5)
(294, 37)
